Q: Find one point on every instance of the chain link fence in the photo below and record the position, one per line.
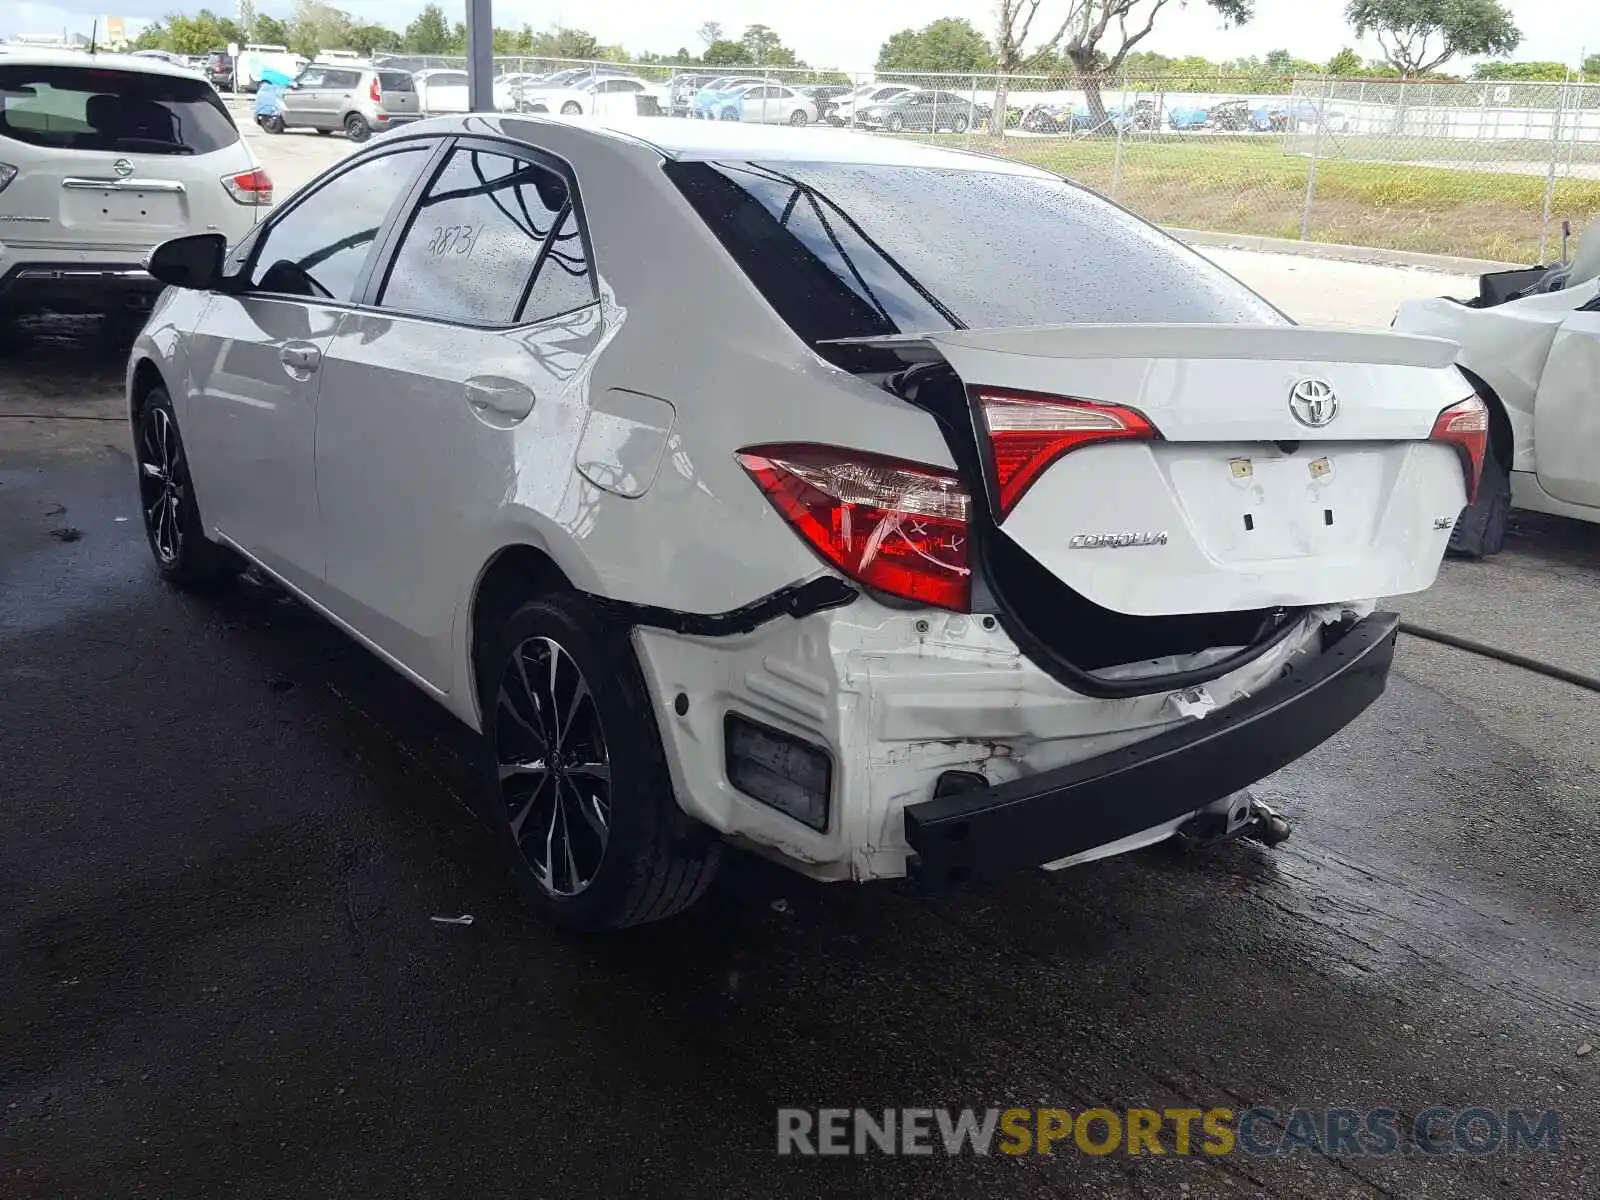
(1483, 170)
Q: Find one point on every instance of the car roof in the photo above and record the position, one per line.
(700, 141)
(149, 64)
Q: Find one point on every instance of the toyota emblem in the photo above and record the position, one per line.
(1313, 403)
(122, 167)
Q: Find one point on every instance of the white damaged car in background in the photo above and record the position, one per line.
(879, 507)
(1530, 343)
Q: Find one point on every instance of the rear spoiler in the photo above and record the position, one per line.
(1282, 343)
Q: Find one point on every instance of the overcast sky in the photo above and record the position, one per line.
(847, 33)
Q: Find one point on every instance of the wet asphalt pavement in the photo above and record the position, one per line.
(224, 830)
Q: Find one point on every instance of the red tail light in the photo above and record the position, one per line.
(249, 187)
(899, 527)
(1466, 427)
(375, 91)
(1028, 432)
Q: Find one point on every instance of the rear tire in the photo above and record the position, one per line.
(581, 789)
(1480, 530)
(895, 123)
(183, 553)
(572, 109)
(799, 119)
(961, 123)
(356, 128)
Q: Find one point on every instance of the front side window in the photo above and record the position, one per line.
(853, 250)
(93, 108)
(494, 241)
(319, 247)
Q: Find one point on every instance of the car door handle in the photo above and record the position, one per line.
(301, 358)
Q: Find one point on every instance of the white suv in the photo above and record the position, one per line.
(885, 508)
(102, 158)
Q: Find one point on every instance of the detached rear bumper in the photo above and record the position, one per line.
(1056, 814)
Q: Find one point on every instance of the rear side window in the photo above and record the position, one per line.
(395, 81)
(852, 250)
(494, 241)
(91, 108)
(341, 79)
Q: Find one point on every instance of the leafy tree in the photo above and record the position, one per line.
(723, 53)
(764, 48)
(369, 38)
(269, 31)
(1095, 36)
(1591, 67)
(1418, 35)
(563, 42)
(1344, 64)
(1543, 72)
(710, 33)
(948, 44)
(428, 33)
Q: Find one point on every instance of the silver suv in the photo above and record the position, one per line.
(359, 100)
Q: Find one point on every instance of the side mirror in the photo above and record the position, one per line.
(190, 262)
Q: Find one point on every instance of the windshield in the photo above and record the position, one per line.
(90, 108)
(853, 250)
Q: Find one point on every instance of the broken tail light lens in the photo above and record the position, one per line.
(249, 187)
(1027, 433)
(1466, 427)
(898, 527)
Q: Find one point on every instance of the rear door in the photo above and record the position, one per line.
(1566, 412)
(257, 356)
(617, 97)
(113, 160)
(339, 96)
(455, 397)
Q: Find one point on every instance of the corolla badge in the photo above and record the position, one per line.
(1313, 403)
(122, 167)
(1117, 541)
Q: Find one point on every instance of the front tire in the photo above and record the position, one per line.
(582, 791)
(895, 123)
(183, 553)
(356, 128)
(273, 125)
(799, 118)
(1480, 530)
(961, 123)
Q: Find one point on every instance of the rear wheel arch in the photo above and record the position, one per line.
(512, 577)
(1501, 438)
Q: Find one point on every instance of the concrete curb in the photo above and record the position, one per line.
(1444, 263)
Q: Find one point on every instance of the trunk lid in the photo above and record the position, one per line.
(1238, 503)
(398, 94)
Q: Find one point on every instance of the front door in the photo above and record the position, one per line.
(257, 357)
(454, 401)
(1566, 412)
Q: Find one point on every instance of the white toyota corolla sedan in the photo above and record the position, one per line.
(882, 508)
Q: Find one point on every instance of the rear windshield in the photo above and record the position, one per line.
(90, 108)
(852, 250)
(395, 81)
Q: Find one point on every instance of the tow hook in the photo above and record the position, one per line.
(1240, 815)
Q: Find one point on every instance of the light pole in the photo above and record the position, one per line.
(480, 55)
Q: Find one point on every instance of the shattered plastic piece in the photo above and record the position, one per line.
(463, 919)
(1193, 702)
(780, 906)
(1585, 1050)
